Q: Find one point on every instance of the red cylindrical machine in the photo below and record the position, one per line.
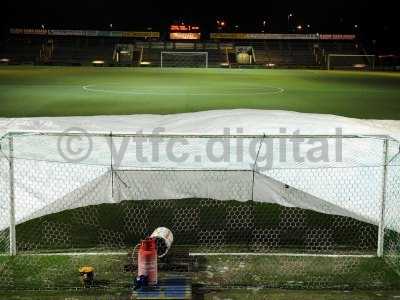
(147, 260)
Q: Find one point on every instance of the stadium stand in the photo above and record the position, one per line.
(70, 50)
(291, 53)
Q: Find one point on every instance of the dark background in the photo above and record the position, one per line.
(376, 20)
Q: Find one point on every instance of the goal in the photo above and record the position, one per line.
(184, 59)
(265, 214)
(350, 62)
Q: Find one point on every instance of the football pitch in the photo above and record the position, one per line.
(27, 91)
(326, 251)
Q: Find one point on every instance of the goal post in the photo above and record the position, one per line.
(350, 62)
(176, 59)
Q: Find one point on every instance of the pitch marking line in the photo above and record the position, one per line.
(285, 254)
(193, 254)
(264, 90)
(71, 254)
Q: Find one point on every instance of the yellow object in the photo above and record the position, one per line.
(243, 59)
(86, 269)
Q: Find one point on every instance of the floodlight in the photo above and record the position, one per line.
(98, 62)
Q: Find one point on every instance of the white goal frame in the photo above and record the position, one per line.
(183, 52)
(368, 56)
(381, 223)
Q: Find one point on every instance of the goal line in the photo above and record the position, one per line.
(282, 254)
(70, 254)
(203, 254)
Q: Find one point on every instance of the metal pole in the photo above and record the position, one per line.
(112, 165)
(13, 240)
(329, 62)
(381, 230)
(152, 135)
(141, 55)
(255, 168)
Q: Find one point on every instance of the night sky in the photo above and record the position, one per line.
(375, 19)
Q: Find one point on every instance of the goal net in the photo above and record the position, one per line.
(184, 59)
(350, 62)
(303, 224)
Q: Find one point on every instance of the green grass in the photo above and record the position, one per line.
(118, 227)
(122, 225)
(254, 294)
(234, 294)
(61, 272)
(297, 272)
(58, 91)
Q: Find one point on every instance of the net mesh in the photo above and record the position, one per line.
(184, 59)
(352, 62)
(304, 224)
(392, 207)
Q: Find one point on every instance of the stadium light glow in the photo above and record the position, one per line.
(145, 63)
(221, 23)
(4, 60)
(360, 66)
(289, 22)
(98, 62)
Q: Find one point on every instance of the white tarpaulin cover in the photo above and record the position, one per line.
(45, 183)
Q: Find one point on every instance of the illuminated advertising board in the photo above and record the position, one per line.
(184, 32)
(185, 35)
(98, 33)
(184, 28)
(272, 36)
